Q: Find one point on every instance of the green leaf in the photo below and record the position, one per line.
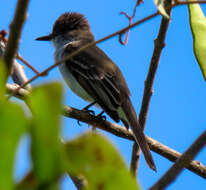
(161, 8)
(13, 124)
(45, 104)
(94, 157)
(198, 28)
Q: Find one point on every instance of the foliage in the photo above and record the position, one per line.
(90, 154)
(198, 28)
(100, 158)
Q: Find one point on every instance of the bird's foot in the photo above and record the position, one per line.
(88, 106)
(86, 110)
(89, 112)
(101, 116)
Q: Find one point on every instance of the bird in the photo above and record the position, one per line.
(93, 76)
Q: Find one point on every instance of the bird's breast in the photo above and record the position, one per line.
(69, 79)
(73, 83)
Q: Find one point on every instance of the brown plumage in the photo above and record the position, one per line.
(95, 74)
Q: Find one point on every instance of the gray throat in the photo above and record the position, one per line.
(60, 44)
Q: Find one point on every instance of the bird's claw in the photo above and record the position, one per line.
(86, 110)
(89, 112)
(78, 122)
(101, 116)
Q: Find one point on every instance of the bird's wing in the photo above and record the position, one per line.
(103, 81)
(97, 74)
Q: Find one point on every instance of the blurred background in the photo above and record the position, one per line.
(176, 116)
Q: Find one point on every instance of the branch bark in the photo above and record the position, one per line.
(170, 154)
(18, 75)
(44, 72)
(119, 32)
(182, 162)
(15, 33)
(158, 46)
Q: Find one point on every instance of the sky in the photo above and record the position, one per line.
(176, 114)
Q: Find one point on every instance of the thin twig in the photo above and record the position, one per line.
(44, 72)
(3, 44)
(130, 18)
(182, 162)
(158, 46)
(117, 130)
(26, 63)
(18, 75)
(120, 131)
(84, 48)
(22, 91)
(15, 33)
(20, 94)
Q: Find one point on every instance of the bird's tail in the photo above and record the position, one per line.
(137, 131)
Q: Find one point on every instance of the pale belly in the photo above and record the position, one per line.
(73, 84)
(77, 89)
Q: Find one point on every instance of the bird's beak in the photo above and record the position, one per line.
(45, 38)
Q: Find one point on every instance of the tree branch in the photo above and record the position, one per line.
(44, 72)
(119, 32)
(18, 56)
(158, 46)
(182, 162)
(15, 33)
(18, 75)
(170, 154)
